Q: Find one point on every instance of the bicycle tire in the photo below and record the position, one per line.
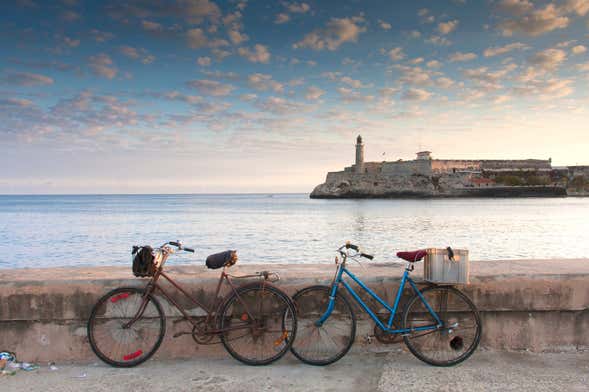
(311, 302)
(461, 331)
(120, 305)
(269, 334)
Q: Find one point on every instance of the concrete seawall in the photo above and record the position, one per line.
(537, 305)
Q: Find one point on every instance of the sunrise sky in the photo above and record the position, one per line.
(267, 96)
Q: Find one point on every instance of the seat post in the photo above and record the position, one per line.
(410, 266)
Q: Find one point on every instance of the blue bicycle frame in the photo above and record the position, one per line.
(388, 327)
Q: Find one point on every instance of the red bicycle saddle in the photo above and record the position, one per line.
(414, 256)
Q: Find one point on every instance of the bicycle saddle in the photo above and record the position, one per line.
(223, 259)
(414, 256)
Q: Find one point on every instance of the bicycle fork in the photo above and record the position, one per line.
(332, 293)
(141, 310)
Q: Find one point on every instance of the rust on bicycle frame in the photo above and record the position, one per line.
(152, 286)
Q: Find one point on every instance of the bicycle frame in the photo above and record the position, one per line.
(152, 286)
(388, 327)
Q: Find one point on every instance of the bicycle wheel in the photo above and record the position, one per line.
(325, 344)
(115, 343)
(259, 324)
(461, 327)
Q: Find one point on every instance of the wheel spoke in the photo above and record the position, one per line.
(458, 337)
(125, 347)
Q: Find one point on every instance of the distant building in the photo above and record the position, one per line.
(429, 177)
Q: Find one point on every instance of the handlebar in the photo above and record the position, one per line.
(178, 245)
(349, 245)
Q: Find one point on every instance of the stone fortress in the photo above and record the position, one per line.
(428, 177)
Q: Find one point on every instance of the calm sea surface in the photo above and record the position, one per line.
(47, 231)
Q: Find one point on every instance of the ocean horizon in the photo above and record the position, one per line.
(89, 230)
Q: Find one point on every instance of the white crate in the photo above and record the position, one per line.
(438, 268)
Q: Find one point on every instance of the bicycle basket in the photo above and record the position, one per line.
(440, 268)
(143, 261)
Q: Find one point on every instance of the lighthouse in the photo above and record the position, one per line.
(359, 155)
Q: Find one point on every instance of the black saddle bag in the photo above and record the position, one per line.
(218, 260)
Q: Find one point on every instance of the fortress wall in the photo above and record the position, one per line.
(447, 165)
(372, 167)
(537, 305)
(520, 164)
(407, 168)
(333, 177)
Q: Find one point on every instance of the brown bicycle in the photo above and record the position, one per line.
(255, 322)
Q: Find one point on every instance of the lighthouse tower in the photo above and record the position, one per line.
(359, 168)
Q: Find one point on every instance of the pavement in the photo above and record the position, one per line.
(389, 370)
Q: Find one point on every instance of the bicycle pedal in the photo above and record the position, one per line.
(178, 334)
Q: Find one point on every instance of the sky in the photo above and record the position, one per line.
(202, 96)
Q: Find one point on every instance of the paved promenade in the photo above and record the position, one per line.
(384, 371)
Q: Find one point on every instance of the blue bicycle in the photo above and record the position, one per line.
(440, 325)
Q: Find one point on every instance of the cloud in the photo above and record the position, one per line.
(220, 54)
(459, 57)
(415, 94)
(27, 79)
(211, 87)
(438, 40)
(387, 91)
(280, 106)
(294, 8)
(434, 64)
(101, 36)
(196, 38)
(415, 75)
(545, 89)
(298, 8)
(231, 76)
(414, 34)
(72, 43)
(501, 99)
(425, 16)
(444, 82)
(314, 93)
(396, 54)
(336, 32)
(204, 61)
(259, 54)
(137, 54)
(515, 7)
(281, 18)
(264, 82)
(548, 59)
(579, 49)
(384, 25)
(69, 16)
(130, 52)
(177, 96)
(353, 82)
(534, 22)
(447, 27)
(237, 37)
(350, 95)
(583, 67)
(487, 79)
(579, 7)
(498, 50)
(152, 27)
(192, 11)
(15, 102)
(102, 65)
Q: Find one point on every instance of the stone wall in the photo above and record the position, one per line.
(537, 305)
